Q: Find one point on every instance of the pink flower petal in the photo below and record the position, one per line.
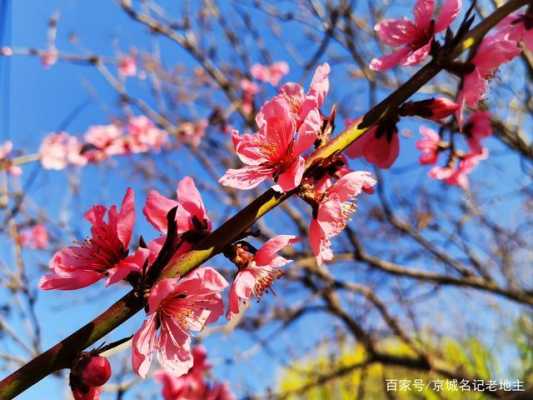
(292, 176)
(382, 152)
(142, 346)
(448, 12)
(69, 280)
(190, 199)
(247, 149)
(269, 250)
(126, 218)
(244, 284)
(320, 84)
(390, 60)
(351, 185)
(308, 132)
(423, 12)
(132, 263)
(418, 55)
(474, 88)
(320, 245)
(396, 32)
(172, 356)
(246, 177)
(156, 209)
(160, 291)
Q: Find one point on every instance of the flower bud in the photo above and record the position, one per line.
(86, 393)
(96, 371)
(435, 109)
(442, 107)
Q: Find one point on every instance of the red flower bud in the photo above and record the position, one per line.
(90, 393)
(442, 107)
(435, 109)
(96, 372)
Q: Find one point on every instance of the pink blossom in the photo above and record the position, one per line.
(193, 132)
(49, 57)
(35, 237)
(257, 274)
(270, 73)
(59, 150)
(413, 38)
(189, 386)
(6, 51)
(428, 146)
(378, 146)
(5, 150)
(143, 135)
(477, 128)
(105, 254)
(459, 176)
(518, 27)
(191, 214)
(249, 90)
(127, 66)
(335, 207)
(288, 125)
(186, 388)
(494, 51)
(103, 141)
(176, 307)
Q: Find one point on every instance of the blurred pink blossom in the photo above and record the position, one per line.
(49, 57)
(270, 73)
(59, 150)
(5, 150)
(428, 145)
(127, 66)
(34, 237)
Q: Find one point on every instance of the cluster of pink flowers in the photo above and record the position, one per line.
(510, 36)
(100, 142)
(414, 38)
(175, 306)
(34, 237)
(459, 165)
(288, 125)
(380, 144)
(193, 385)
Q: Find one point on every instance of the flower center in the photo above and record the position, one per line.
(264, 280)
